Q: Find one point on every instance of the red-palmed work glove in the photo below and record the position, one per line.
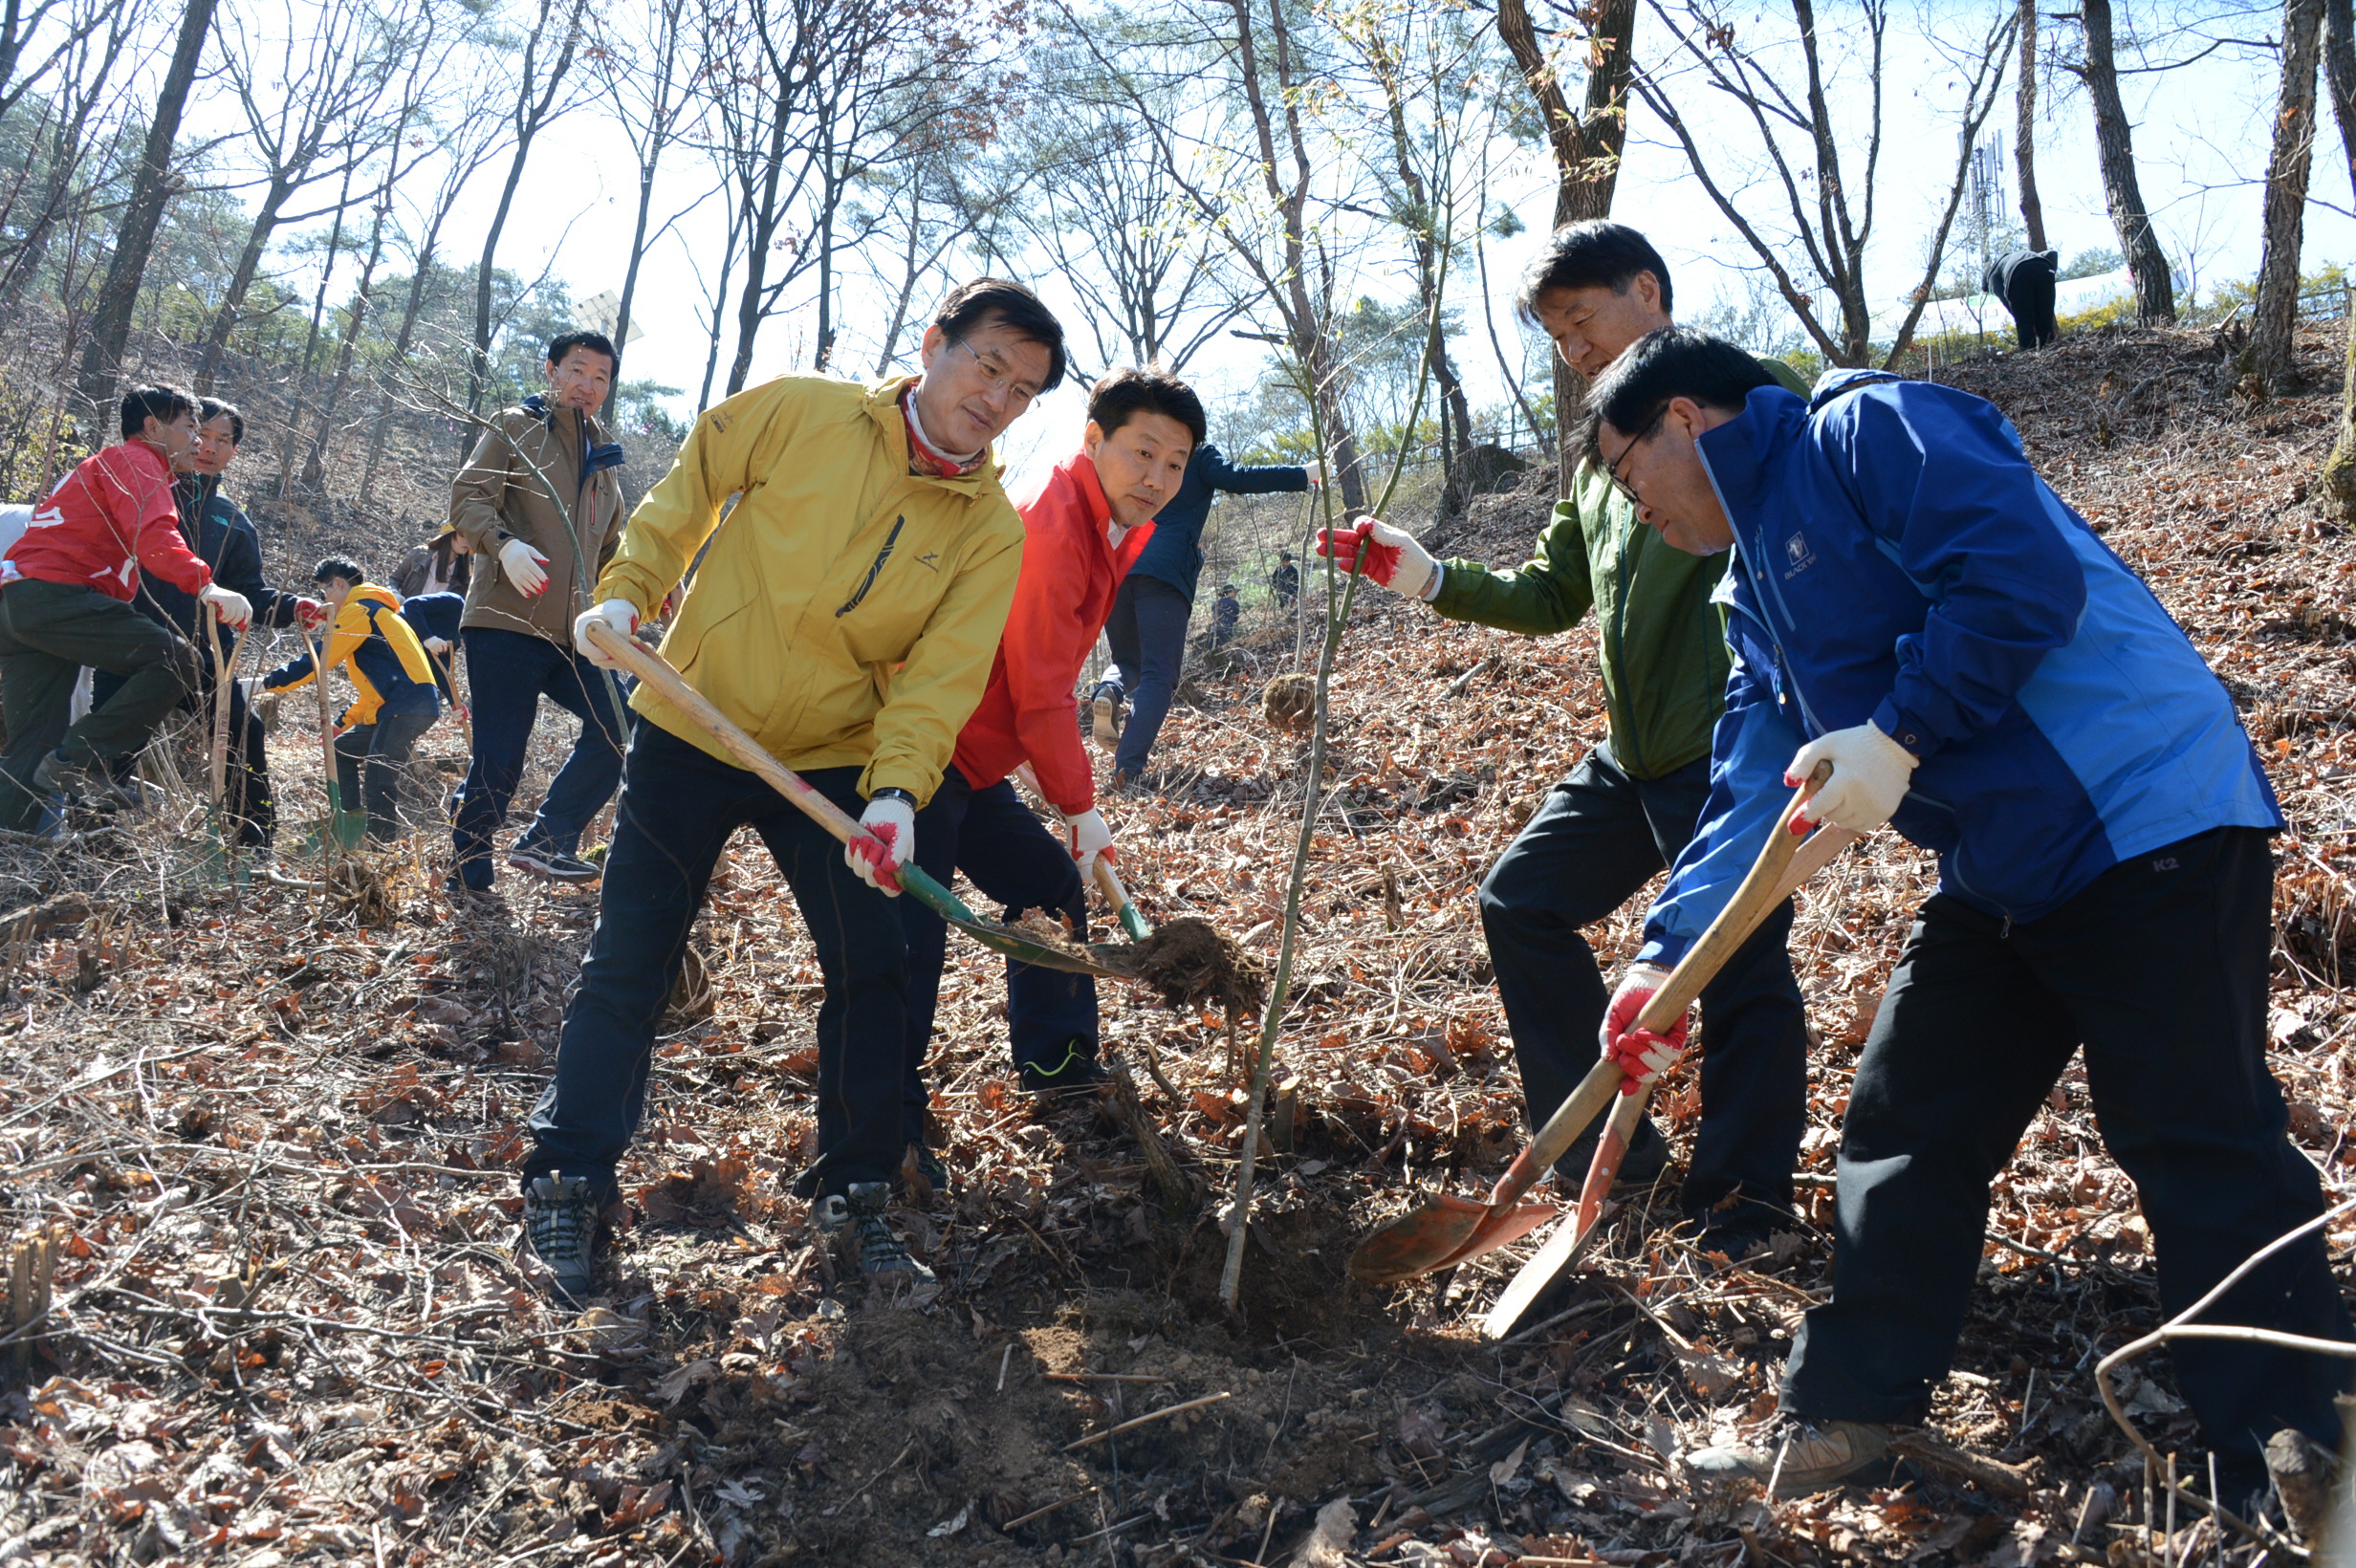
(526, 568)
(1641, 1054)
(310, 613)
(229, 607)
(879, 853)
(1390, 555)
(1088, 836)
(1870, 773)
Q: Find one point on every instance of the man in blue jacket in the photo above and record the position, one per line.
(1148, 627)
(1911, 603)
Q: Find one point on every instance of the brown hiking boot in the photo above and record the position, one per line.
(1800, 1456)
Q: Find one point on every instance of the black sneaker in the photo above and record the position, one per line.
(560, 1222)
(543, 858)
(1104, 705)
(59, 782)
(1074, 1078)
(857, 1213)
(923, 1176)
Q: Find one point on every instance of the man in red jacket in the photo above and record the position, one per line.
(1081, 533)
(66, 588)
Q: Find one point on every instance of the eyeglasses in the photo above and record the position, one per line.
(997, 378)
(1617, 482)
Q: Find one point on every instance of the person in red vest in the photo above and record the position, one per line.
(1081, 532)
(66, 587)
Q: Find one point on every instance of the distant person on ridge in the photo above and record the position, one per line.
(2025, 280)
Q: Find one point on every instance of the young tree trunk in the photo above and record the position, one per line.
(2339, 472)
(314, 467)
(629, 279)
(2155, 294)
(2340, 73)
(532, 112)
(2286, 197)
(110, 320)
(1586, 147)
(2024, 129)
(241, 281)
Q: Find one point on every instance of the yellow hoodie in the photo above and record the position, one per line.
(847, 611)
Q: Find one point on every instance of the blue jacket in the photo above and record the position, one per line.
(436, 615)
(1897, 559)
(1176, 553)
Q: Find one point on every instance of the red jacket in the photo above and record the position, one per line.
(1070, 573)
(109, 519)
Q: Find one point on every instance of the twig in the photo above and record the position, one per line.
(1042, 1513)
(1139, 1420)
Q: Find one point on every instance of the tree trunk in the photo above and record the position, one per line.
(301, 394)
(2339, 71)
(2024, 129)
(629, 279)
(2338, 476)
(2155, 294)
(110, 323)
(2286, 197)
(1586, 149)
(531, 114)
(248, 265)
(314, 467)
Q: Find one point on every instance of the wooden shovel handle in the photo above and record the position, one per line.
(657, 672)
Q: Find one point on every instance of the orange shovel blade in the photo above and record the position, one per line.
(1506, 1228)
(1418, 1241)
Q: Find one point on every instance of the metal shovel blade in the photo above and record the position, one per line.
(1503, 1231)
(1417, 1241)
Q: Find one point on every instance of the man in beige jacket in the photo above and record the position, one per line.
(540, 507)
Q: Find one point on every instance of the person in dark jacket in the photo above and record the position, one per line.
(219, 533)
(435, 619)
(2025, 280)
(1148, 627)
(397, 687)
(1631, 803)
(1913, 605)
(442, 565)
(1226, 611)
(1285, 580)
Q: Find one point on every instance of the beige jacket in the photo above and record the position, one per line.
(523, 481)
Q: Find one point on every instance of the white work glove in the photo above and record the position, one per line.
(1088, 836)
(1869, 776)
(878, 854)
(1641, 1054)
(616, 615)
(437, 644)
(523, 565)
(1316, 473)
(1390, 555)
(230, 607)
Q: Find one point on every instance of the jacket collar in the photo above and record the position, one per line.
(1740, 454)
(1077, 474)
(882, 405)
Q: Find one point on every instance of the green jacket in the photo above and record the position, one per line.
(1663, 642)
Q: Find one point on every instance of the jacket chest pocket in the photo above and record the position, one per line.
(880, 601)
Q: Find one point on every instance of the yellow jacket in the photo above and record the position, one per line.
(847, 611)
(389, 667)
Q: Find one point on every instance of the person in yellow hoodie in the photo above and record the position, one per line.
(845, 614)
(398, 702)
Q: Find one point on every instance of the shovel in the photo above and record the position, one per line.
(1449, 1229)
(1570, 1238)
(1107, 879)
(656, 672)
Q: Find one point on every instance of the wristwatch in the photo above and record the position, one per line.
(892, 792)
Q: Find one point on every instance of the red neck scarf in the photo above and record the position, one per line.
(923, 459)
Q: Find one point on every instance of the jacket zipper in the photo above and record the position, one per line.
(881, 557)
(1619, 648)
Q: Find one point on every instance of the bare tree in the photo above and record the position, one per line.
(1587, 145)
(915, 216)
(110, 320)
(2340, 74)
(77, 117)
(543, 63)
(2155, 293)
(1828, 217)
(309, 93)
(645, 70)
(2287, 169)
(2024, 129)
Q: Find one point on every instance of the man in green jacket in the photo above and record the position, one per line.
(1632, 802)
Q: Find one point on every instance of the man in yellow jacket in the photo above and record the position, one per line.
(844, 615)
(398, 701)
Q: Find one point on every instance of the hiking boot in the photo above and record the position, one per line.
(543, 858)
(923, 1176)
(560, 1222)
(1076, 1077)
(1740, 1228)
(1812, 1456)
(1105, 725)
(857, 1213)
(62, 782)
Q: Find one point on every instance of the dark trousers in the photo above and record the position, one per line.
(48, 632)
(1599, 838)
(508, 673)
(678, 809)
(1009, 855)
(251, 806)
(2029, 296)
(1147, 631)
(371, 762)
(2159, 971)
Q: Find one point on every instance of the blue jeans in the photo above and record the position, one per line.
(679, 807)
(507, 673)
(1599, 838)
(1009, 855)
(1148, 636)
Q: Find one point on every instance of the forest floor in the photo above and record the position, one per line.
(271, 1131)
